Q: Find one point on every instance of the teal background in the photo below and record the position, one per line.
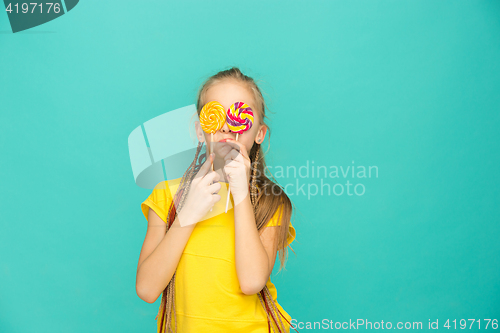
(411, 87)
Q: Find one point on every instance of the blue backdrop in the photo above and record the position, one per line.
(409, 88)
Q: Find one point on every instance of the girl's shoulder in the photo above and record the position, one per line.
(160, 197)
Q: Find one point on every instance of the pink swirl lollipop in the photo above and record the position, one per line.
(239, 118)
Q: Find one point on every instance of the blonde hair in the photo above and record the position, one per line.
(264, 204)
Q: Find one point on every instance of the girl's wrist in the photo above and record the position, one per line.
(185, 219)
(241, 196)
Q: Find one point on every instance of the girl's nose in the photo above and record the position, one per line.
(225, 129)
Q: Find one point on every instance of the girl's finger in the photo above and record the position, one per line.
(235, 155)
(241, 147)
(232, 163)
(214, 188)
(209, 178)
(231, 155)
(215, 198)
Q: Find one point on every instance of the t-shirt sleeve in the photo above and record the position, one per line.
(159, 200)
(274, 221)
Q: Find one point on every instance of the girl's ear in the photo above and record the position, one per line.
(261, 134)
(199, 131)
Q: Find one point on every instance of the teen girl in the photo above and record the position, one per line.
(214, 274)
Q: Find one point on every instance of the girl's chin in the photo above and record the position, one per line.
(221, 151)
(217, 155)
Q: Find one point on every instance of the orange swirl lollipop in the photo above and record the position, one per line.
(212, 118)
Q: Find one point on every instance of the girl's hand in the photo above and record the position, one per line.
(237, 168)
(202, 194)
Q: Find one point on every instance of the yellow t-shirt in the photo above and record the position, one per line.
(207, 292)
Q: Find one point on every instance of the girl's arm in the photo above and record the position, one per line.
(160, 255)
(255, 255)
(162, 250)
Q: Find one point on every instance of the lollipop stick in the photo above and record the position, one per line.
(211, 151)
(212, 147)
(212, 119)
(229, 191)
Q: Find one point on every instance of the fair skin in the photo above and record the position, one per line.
(255, 253)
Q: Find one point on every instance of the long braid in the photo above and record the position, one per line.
(274, 310)
(172, 291)
(264, 305)
(264, 296)
(167, 309)
(253, 183)
(254, 155)
(270, 311)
